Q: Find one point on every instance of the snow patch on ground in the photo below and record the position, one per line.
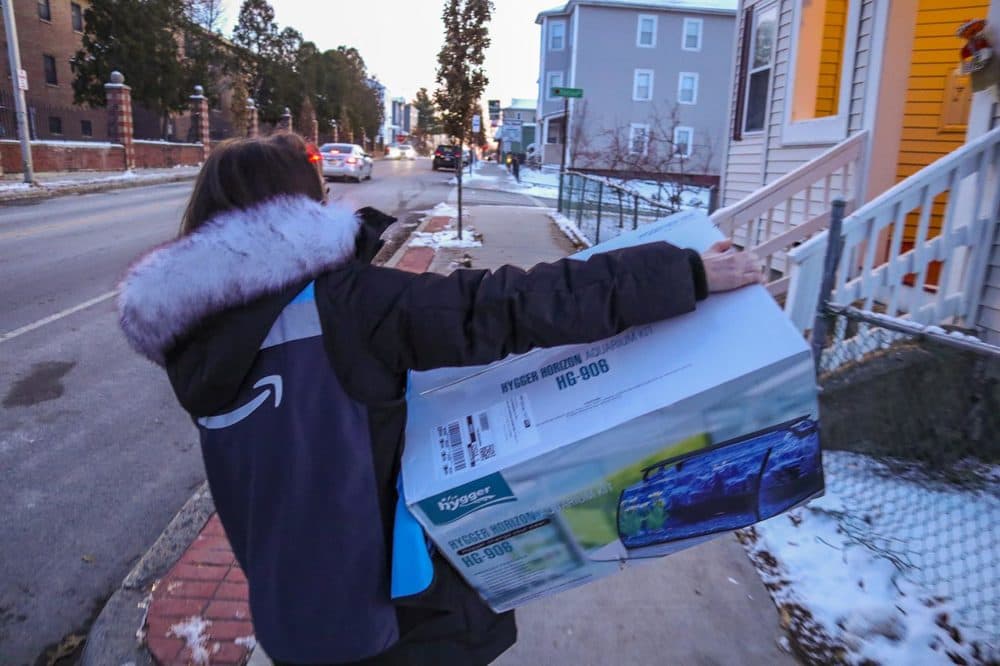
(91, 179)
(249, 642)
(441, 210)
(568, 227)
(446, 238)
(847, 603)
(192, 631)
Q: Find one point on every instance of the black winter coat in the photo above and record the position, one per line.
(202, 306)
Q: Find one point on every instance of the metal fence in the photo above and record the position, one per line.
(49, 122)
(911, 426)
(602, 209)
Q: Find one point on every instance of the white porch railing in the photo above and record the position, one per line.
(795, 207)
(873, 266)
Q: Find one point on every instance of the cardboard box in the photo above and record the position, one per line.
(550, 469)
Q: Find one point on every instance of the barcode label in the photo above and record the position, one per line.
(480, 437)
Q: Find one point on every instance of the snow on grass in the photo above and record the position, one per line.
(192, 631)
(568, 227)
(871, 572)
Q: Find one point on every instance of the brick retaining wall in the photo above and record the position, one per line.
(84, 156)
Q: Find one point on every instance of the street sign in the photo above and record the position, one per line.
(567, 92)
(511, 133)
(494, 105)
(475, 123)
(22, 79)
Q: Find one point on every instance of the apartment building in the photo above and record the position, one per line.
(655, 77)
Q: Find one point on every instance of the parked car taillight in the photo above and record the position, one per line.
(352, 160)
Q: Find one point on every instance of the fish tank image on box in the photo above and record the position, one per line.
(730, 485)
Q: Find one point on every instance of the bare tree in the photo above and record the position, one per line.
(660, 150)
(209, 14)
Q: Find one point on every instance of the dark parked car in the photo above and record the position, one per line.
(448, 156)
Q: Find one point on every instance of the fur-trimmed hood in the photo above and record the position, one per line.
(231, 260)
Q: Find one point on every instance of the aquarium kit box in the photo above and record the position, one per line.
(554, 468)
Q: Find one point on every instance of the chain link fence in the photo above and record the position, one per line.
(911, 429)
(602, 209)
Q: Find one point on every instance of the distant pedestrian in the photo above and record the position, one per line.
(515, 166)
(291, 351)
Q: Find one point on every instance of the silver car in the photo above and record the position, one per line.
(346, 160)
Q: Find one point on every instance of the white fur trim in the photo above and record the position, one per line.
(229, 261)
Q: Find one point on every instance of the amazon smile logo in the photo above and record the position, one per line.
(240, 413)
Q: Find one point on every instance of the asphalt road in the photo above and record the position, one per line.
(95, 455)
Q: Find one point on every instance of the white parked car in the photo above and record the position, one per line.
(407, 152)
(392, 152)
(346, 160)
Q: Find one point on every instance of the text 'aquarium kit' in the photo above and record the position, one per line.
(554, 468)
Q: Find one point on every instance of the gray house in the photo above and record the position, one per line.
(655, 75)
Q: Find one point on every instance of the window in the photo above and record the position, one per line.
(55, 125)
(687, 88)
(553, 80)
(645, 35)
(692, 34)
(557, 35)
(683, 138)
(77, 13)
(50, 70)
(638, 139)
(554, 135)
(759, 62)
(642, 85)
(86, 128)
(818, 59)
(44, 10)
(819, 75)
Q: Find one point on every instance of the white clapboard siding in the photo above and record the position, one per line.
(989, 304)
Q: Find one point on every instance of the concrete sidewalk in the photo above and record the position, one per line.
(705, 605)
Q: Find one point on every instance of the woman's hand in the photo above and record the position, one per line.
(727, 269)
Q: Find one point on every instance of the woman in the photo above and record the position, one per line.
(290, 351)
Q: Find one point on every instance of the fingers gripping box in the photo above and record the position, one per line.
(550, 469)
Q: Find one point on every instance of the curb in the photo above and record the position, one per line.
(43, 192)
(116, 636)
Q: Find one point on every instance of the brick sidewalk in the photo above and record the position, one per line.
(207, 582)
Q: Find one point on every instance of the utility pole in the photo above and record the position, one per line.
(20, 83)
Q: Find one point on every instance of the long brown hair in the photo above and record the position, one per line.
(240, 173)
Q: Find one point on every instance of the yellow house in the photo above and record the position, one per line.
(866, 100)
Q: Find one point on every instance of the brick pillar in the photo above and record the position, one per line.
(253, 119)
(199, 119)
(311, 130)
(286, 120)
(119, 98)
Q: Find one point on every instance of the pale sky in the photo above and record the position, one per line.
(399, 39)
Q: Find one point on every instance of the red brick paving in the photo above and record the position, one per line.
(416, 259)
(436, 224)
(207, 582)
